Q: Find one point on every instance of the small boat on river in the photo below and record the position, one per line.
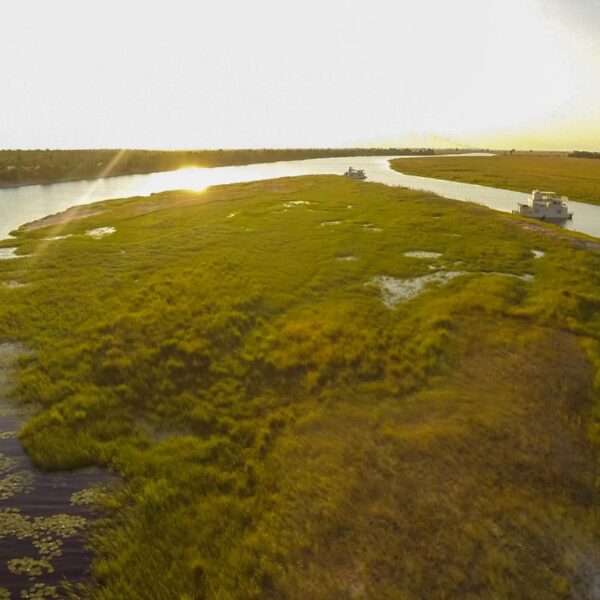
(353, 173)
(545, 206)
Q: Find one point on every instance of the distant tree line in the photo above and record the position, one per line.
(22, 167)
(584, 154)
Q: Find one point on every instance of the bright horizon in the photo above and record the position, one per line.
(519, 74)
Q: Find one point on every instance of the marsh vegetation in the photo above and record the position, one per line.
(577, 178)
(280, 431)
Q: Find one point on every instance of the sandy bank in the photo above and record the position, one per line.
(71, 214)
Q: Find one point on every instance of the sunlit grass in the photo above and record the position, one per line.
(577, 178)
(280, 431)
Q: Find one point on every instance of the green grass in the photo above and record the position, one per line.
(280, 432)
(577, 178)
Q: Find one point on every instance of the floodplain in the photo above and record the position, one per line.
(577, 178)
(280, 430)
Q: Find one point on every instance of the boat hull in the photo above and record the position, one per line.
(545, 218)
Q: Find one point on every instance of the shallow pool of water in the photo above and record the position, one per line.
(395, 290)
(43, 520)
(7, 253)
(99, 232)
(422, 254)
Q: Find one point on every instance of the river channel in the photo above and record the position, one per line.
(28, 203)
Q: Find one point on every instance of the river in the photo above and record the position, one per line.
(28, 203)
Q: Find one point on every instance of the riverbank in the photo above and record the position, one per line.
(577, 178)
(20, 168)
(28, 204)
(51, 181)
(318, 388)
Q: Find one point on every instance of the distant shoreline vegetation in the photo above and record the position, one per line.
(584, 154)
(577, 179)
(30, 167)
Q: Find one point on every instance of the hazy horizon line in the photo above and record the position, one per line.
(259, 148)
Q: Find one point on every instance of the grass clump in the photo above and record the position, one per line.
(281, 432)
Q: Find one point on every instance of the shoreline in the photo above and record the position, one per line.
(588, 223)
(74, 213)
(384, 152)
(12, 186)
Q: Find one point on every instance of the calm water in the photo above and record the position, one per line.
(40, 518)
(24, 204)
(35, 497)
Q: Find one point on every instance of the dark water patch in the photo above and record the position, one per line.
(43, 515)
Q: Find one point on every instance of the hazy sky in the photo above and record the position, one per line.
(226, 74)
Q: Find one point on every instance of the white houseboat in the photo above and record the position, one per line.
(355, 173)
(546, 206)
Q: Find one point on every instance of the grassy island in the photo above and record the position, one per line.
(318, 388)
(577, 178)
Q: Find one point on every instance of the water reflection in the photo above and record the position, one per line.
(28, 203)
